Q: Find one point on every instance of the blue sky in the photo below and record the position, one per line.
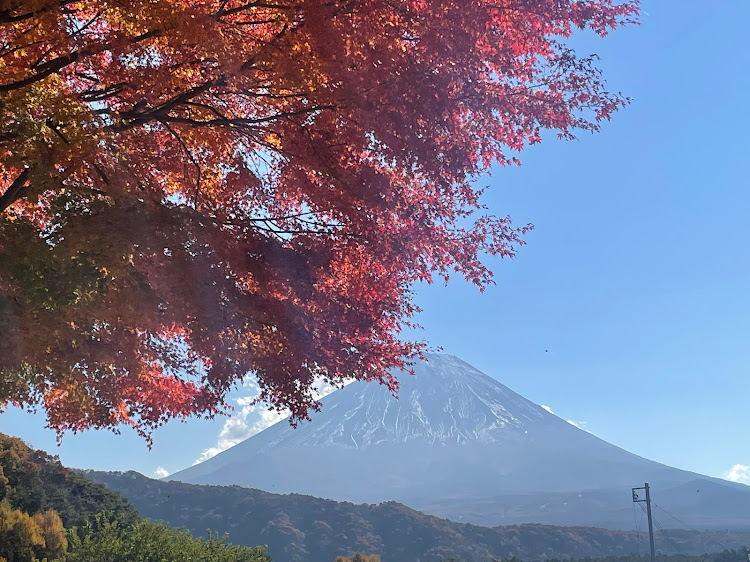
(636, 279)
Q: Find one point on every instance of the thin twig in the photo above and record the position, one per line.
(192, 159)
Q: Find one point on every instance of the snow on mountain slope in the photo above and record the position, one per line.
(456, 443)
(447, 401)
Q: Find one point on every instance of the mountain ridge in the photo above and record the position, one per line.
(301, 528)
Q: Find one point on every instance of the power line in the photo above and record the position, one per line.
(644, 512)
(637, 524)
(680, 521)
(664, 533)
(691, 528)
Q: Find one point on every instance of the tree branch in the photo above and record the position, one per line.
(15, 191)
(192, 159)
(46, 69)
(244, 122)
(223, 11)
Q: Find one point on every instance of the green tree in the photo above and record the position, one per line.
(148, 541)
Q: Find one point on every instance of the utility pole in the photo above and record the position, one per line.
(637, 499)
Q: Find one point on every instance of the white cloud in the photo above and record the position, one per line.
(237, 428)
(161, 472)
(739, 473)
(249, 418)
(580, 425)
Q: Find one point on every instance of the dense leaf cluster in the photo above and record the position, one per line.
(191, 191)
(27, 538)
(148, 541)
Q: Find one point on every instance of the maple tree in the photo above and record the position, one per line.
(195, 190)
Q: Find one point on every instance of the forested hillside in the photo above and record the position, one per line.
(34, 481)
(41, 501)
(306, 529)
(49, 512)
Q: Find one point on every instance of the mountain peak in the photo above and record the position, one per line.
(446, 401)
(455, 443)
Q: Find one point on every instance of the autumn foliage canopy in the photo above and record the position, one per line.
(192, 191)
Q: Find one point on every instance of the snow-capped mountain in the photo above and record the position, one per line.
(446, 402)
(459, 444)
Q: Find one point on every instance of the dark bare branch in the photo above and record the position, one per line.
(223, 11)
(246, 122)
(46, 69)
(14, 191)
(192, 159)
